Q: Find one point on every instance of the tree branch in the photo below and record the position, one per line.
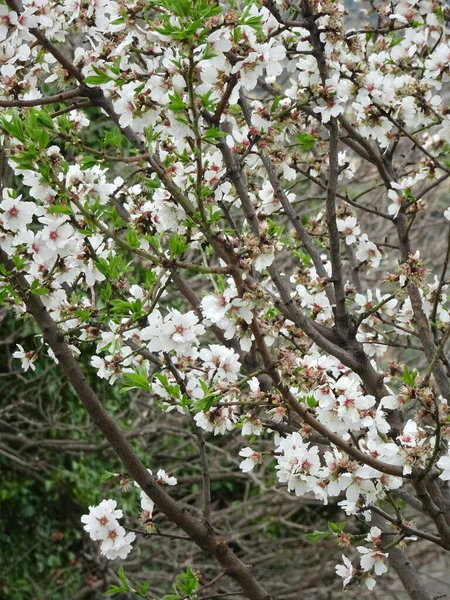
(199, 532)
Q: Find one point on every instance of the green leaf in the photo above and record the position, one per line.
(276, 103)
(176, 104)
(37, 290)
(19, 262)
(305, 140)
(60, 209)
(151, 135)
(311, 401)
(113, 138)
(106, 292)
(303, 257)
(136, 381)
(136, 307)
(132, 238)
(118, 21)
(213, 135)
(42, 139)
(14, 126)
(106, 476)
(43, 118)
(40, 291)
(336, 527)
(172, 389)
(121, 576)
(204, 404)
(207, 99)
(316, 536)
(395, 40)
(187, 582)
(3, 270)
(121, 306)
(88, 161)
(177, 245)
(409, 377)
(142, 588)
(114, 589)
(255, 22)
(98, 79)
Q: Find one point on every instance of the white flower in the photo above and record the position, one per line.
(444, 464)
(57, 233)
(249, 69)
(410, 433)
(106, 368)
(335, 93)
(181, 328)
(16, 214)
(349, 227)
(273, 55)
(7, 19)
(331, 109)
(222, 361)
(147, 506)
(367, 250)
(265, 259)
(27, 358)
(270, 202)
(350, 508)
(252, 424)
(38, 188)
(345, 571)
(251, 459)
(370, 582)
(100, 518)
(176, 331)
(397, 202)
(125, 106)
(214, 307)
(372, 558)
(117, 544)
(218, 420)
(374, 535)
(298, 465)
(390, 402)
(163, 477)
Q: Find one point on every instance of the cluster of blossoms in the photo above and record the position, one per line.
(372, 562)
(102, 522)
(303, 470)
(220, 174)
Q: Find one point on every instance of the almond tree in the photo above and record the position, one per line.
(223, 204)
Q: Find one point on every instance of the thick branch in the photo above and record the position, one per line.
(57, 99)
(342, 319)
